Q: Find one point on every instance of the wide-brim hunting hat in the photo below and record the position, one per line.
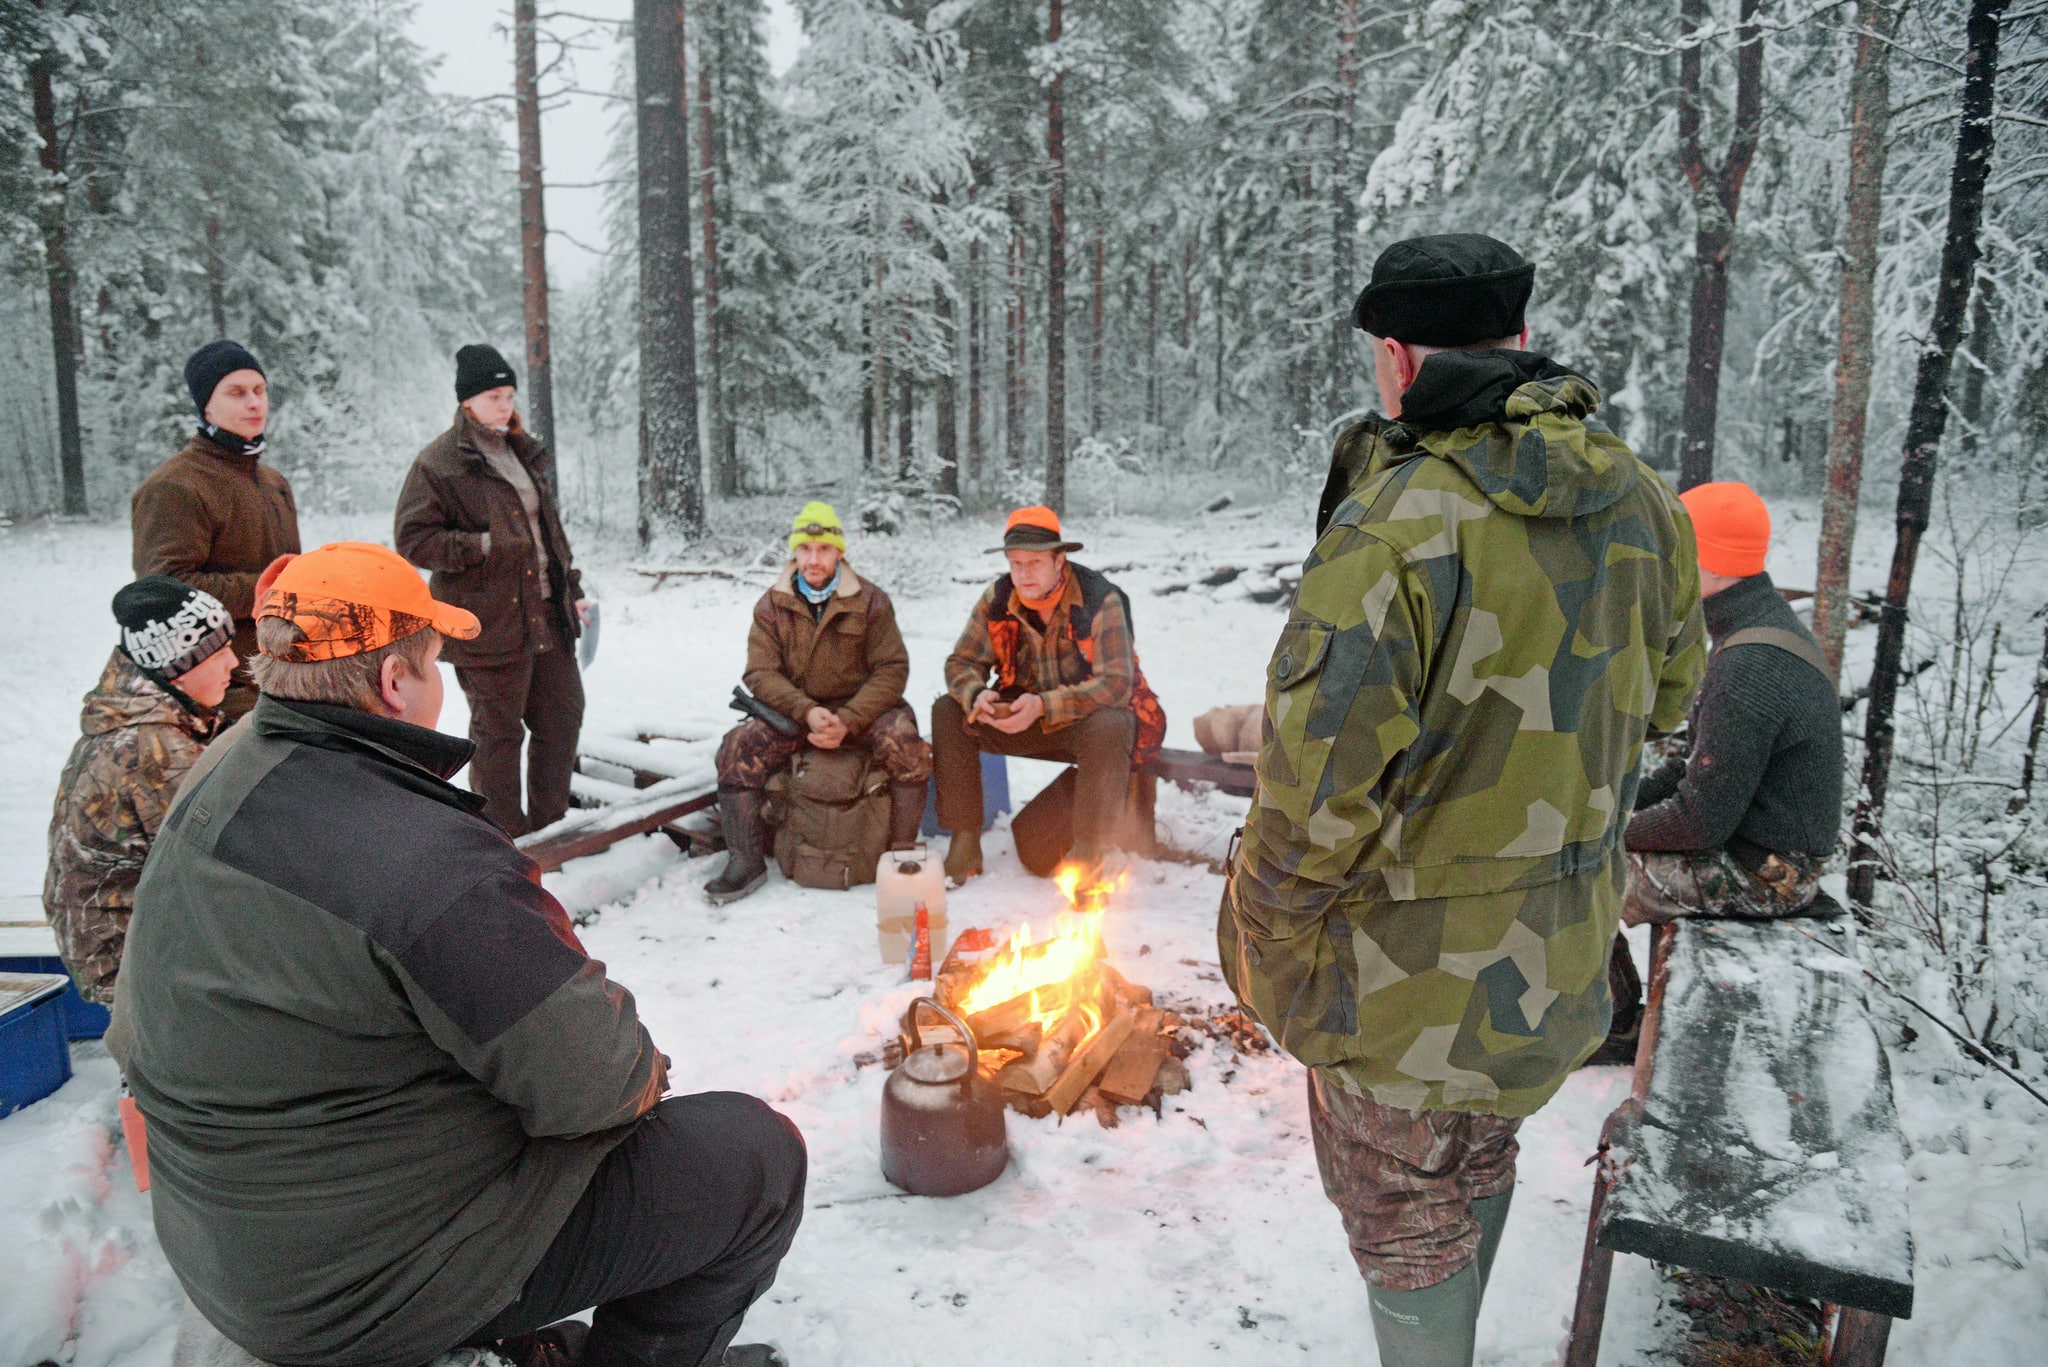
(1446, 290)
(1036, 528)
(352, 597)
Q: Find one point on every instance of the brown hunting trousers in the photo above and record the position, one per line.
(1663, 886)
(1404, 1181)
(1099, 745)
(534, 702)
(753, 751)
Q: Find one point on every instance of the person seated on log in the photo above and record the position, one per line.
(392, 1106)
(155, 708)
(824, 651)
(1742, 823)
(1046, 669)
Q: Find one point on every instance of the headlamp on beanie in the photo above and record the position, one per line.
(1448, 290)
(169, 628)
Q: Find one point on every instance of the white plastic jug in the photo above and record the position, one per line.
(904, 878)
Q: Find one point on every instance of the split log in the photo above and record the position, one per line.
(1131, 1073)
(1042, 1066)
(1006, 1020)
(1120, 990)
(1090, 1060)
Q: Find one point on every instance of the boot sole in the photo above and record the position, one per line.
(719, 899)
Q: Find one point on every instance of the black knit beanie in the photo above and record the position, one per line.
(212, 363)
(479, 367)
(170, 628)
(1448, 290)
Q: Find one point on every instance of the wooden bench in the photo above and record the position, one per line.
(1760, 1141)
(627, 785)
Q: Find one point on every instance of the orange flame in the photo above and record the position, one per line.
(1057, 973)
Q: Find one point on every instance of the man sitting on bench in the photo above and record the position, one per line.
(1742, 824)
(825, 652)
(1056, 636)
(392, 1105)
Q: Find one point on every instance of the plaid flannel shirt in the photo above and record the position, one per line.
(1049, 661)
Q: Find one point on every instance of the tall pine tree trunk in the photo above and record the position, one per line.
(1013, 347)
(1096, 321)
(1343, 214)
(975, 311)
(1924, 423)
(725, 478)
(1055, 277)
(671, 451)
(1716, 198)
(57, 274)
(946, 400)
(1152, 328)
(533, 231)
(1869, 119)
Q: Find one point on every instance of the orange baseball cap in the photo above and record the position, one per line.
(352, 597)
(1036, 528)
(1732, 526)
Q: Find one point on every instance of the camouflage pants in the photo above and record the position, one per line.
(754, 750)
(90, 940)
(1665, 885)
(1404, 1181)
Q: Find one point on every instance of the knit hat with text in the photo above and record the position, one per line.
(170, 628)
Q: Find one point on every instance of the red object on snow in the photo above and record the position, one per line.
(136, 1135)
(921, 953)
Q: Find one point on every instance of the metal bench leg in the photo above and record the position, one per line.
(1596, 1267)
(1860, 1339)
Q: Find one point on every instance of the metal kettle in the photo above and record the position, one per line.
(943, 1130)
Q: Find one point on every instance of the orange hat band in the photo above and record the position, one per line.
(331, 629)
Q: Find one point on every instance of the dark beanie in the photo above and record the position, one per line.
(170, 628)
(1449, 290)
(212, 363)
(479, 367)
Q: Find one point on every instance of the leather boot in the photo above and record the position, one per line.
(906, 813)
(963, 856)
(746, 836)
(558, 1345)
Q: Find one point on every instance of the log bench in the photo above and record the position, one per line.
(1760, 1141)
(627, 785)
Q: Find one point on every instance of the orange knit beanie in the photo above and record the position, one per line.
(1732, 525)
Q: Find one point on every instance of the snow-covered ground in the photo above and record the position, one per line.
(1199, 1235)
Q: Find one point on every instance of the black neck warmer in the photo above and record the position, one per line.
(230, 441)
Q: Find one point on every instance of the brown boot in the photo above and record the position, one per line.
(963, 857)
(906, 813)
(746, 836)
(558, 1345)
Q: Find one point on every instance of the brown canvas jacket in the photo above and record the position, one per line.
(852, 660)
(138, 742)
(450, 499)
(214, 519)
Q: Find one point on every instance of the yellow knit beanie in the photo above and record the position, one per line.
(817, 522)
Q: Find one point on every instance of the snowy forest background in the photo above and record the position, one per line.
(1098, 252)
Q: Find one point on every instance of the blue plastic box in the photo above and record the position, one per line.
(82, 1019)
(35, 1058)
(995, 796)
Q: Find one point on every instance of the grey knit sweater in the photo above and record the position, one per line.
(1763, 772)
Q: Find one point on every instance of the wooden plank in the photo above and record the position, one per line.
(1768, 1147)
(1192, 766)
(1089, 1061)
(597, 828)
(1131, 1073)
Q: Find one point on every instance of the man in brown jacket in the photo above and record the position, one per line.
(824, 651)
(479, 510)
(215, 515)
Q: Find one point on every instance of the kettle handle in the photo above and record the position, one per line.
(910, 1024)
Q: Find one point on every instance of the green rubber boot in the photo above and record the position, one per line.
(1433, 1327)
(1492, 1214)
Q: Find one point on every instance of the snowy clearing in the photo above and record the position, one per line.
(1202, 1234)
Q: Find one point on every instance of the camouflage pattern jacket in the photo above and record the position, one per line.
(123, 773)
(1503, 604)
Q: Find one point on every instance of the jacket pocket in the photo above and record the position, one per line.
(1299, 656)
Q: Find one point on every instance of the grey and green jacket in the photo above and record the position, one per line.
(377, 1067)
(1499, 607)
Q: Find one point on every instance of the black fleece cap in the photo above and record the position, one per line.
(1452, 289)
(212, 363)
(479, 367)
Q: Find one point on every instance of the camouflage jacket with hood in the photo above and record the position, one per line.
(138, 742)
(1501, 603)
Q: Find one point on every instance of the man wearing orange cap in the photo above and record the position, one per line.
(1046, 669)
(1742, 824)
(392, 1105)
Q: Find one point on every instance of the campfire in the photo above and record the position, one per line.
(1056, 1024)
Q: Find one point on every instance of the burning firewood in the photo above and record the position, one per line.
(1089, 1061)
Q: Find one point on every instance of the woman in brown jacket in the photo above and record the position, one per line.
(478, 509)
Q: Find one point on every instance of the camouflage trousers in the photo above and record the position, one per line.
(1404, 1181)
(752, 751)
(90, 940)
(1665, 885)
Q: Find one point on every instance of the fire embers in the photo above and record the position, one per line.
(1058, 1027)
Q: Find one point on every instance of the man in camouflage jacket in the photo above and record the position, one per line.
(143, 726)
(1502, 602)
